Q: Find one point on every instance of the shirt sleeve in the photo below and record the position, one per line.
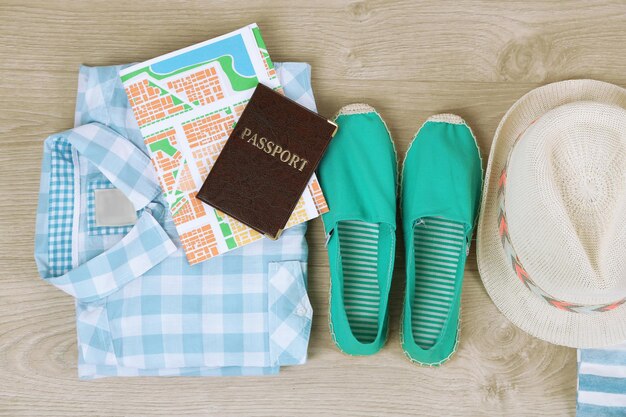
(145, 246)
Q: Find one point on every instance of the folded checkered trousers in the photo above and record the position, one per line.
(141, 309)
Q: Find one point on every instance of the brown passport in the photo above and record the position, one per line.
(267, 161)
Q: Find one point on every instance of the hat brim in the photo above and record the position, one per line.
(520, 305)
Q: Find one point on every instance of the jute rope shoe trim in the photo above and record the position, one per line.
(442, 181)
(360, 233)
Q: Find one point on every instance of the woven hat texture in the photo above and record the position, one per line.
(552, 230)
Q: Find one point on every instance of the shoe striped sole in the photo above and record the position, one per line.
(358, 245)
(438, 248)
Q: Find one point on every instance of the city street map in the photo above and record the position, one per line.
(186, 103)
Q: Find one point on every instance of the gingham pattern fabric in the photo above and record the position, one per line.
(141, 308)
(286, 328)
(295, 78)
(61, 184)
(602, 382)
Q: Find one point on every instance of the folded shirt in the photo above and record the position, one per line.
(602, 382)
(141, 309)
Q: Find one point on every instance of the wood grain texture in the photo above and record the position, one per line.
(409, 60)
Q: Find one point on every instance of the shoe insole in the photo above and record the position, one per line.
(358, 244)
(438, 245)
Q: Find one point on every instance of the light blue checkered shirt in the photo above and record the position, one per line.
(141, 309)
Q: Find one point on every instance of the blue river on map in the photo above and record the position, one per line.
(233, 45)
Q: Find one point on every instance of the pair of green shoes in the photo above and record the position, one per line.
(440, 192)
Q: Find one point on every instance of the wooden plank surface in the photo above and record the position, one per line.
(408, 59)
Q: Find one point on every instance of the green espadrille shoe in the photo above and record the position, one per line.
(358, 176)
(441, 188)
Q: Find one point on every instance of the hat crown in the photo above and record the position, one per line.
(566, 202)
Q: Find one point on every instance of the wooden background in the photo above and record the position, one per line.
(409, 60)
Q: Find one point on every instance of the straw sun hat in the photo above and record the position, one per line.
(552, 231)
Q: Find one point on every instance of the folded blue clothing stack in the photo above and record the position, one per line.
(141, 309)
(602, 381)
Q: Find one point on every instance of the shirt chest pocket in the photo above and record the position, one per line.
(290, 313)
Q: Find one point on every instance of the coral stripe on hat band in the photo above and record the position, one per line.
(523, 275)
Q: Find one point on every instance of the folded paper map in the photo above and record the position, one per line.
(186, 103)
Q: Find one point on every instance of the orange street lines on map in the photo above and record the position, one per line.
(186, 104)
(202, 87)
(318, 197)
(150, 104)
